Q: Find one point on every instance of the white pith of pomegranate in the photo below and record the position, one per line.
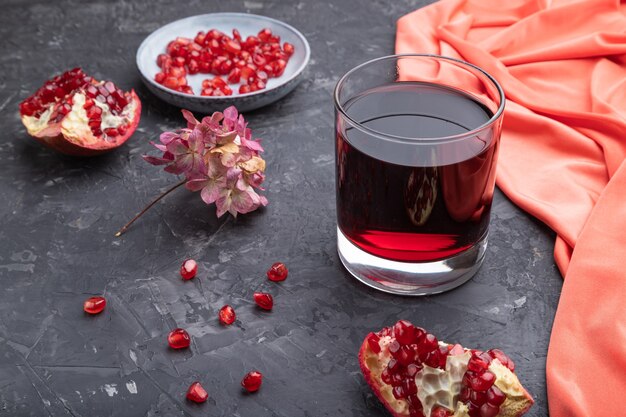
(415, 375)
(78, 115)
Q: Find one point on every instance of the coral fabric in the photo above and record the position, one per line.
(562, 64)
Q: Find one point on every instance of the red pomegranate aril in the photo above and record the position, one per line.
(111, 132)
(385, 375)
(227, 315)
(409, 386)
(373, 342)
(482, 382)
(215, 46)
(171, 82)
(412, 370)
(205, 67)
(489, 410)
(200, 38)
(476, 364)
(225, 67)
(236, 35)
(495, 396)
(214, 34)
(193, 67)
(252, 381)
(405, 332)
(277, 272)
(243, 89)
(397, 379)
(227, 90)
(234, 76)
(393, 366)
(218, 93)
(121, 130)
(178, 339)
(232, 47)
(94, 305)
(264, 34)
(188, 269)
(206, 92)
(398, 392)
(440, 412)
(264, 300)
(252, 41)
(259, 84)
(218, 82)
(502, 357)
(197, 393)
(288, 48)
(394, 349)
(465, 393)
(478, 397)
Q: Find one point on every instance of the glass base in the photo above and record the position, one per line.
(407, 278)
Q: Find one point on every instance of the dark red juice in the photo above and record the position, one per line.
(415, 199)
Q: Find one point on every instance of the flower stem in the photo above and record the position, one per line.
(156, 200)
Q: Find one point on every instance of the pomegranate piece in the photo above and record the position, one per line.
(188, 269)
(277, 272)
(197, 393)
(178, 339)
(94, 305)
(252, 381)
(404, 365)
(227, 315)
(264, 300)
(66, 114)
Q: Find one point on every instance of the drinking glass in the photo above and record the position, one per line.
(417, 140)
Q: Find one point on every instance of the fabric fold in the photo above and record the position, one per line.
(562, 64)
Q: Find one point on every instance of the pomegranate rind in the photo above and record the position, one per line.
(517, 403)
(57, 138)
(371, 367)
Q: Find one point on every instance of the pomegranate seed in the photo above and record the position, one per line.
(393, 366)
(478, 397)
(373, 342)
(397, 379)
(94, 305)
(121, 130)
(251, 42)
(200, 38)
(178, 339)
(262, 76)
(503, 358)
(482, 382)
(183, 41)
(214, 34)
(197, 393)
(440, 412)
(206, 92)
(111, 132)
(244, 89)
(171, 82)
(488, 410)
(232, 47)
(278, 271)
(264, 300)
(236, 35)
(186, 89)
(264, 34)
(252, 381)
(259, 60)
(177, 72)
(193, 67)
(218, 82)
(188, 269)
(234, 76)
(260, 85)
(412, 370)
(465, 393)
(409, 387)
(495, 396)
(386, 376)
(476, 364)
(288, 48)
(398, 393)
(405, 332)
(227, 315)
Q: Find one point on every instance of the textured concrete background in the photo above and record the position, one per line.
(59, 215)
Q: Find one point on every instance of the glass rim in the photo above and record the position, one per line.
(429, 140)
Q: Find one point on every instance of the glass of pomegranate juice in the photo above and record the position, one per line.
(416, 150)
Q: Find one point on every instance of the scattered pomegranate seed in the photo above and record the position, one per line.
(188, 269)
(373, 342)
(252, 381)
(264, 300)
(94, 305)
(197, 393)
(227, 315)
(277, 272)
(178, 339)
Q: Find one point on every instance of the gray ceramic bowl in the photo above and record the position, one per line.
(247, 24)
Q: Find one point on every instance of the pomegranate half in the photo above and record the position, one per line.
(415, 375)
(77, 115)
